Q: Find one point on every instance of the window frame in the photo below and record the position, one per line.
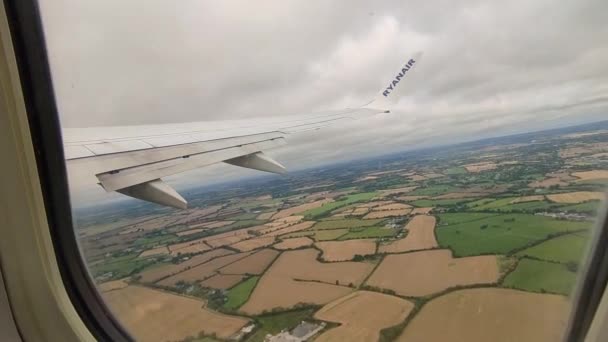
(36, 83)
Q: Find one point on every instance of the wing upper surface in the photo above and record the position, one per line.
(133, 159)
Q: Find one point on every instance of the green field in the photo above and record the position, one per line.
(457, 170)
(345, 223)
(243, 216)
(499, 234)
(456, 218)
(590, 207)
(319, 235)
(238, 225)
(275, 323)
(540, 276)
(239, 294)
(124, 266)
(504, 204)
(564, 249)
(439, 202)
(329, 207)
(433, 190)
(154, 240)
(369, 232)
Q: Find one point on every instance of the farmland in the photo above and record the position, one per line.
(407, 247)
(362, 315)
(147, 313)
(403, 273)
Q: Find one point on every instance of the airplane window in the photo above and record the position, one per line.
(333, 171)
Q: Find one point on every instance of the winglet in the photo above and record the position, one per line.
(390, 93)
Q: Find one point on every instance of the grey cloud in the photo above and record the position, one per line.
(490, 67)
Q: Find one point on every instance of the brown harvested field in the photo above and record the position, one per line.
(251, 244)
(366, 178)
(547, 182)
(373, 204)
(212, 224)
(191, 249)
(175, 248)
(253, 264)
(421, 211)
(490, 314)
(202, 271)
(112, 285)
(456, 195)
(392, 206)
(190, 231)
(427, 272)
(362, 315)
(293, 243)
(345, 250)
(411, 198)
(266, 216)
(295, 228)
(421, 235)
(154, 251)
(158, 273)
(222, 281)
(295, 278)
(395, 191)
(386, 213)
(152, 315)
(227, 238)
(479, 167)
(301, 208)
(432, 175)
(576, 197)
(417, 178)
(591, 175)
(524, 199)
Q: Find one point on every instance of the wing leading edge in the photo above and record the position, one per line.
(133, 160)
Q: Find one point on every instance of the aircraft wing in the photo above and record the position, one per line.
(133, 160)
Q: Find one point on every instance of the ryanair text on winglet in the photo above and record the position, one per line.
(398, 78)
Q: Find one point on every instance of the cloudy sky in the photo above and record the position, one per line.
(489, 68)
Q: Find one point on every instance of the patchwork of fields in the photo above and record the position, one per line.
(473, 245)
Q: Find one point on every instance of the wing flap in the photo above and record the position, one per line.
(126, 177)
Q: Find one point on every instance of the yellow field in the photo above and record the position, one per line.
(190, 231)
(411, 198)
(152, 315)
(386, 213)
(295, 228)
(421, 211)
(297, 277)
(388, 192)
(545, 183)
(154, 251)
(479, 167)
(524, 199)
(591, 175)
(362, 315)
(158, 273)
(301, 208)
(576, 197)
(202, 271)
(490, 314)
(112, 285)
(427, 272)
(392, 206)
(420, 235)
(294, 243)
(345, 250)
(253, 264)
(222, 281)
(251, 244)
(266, 216)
